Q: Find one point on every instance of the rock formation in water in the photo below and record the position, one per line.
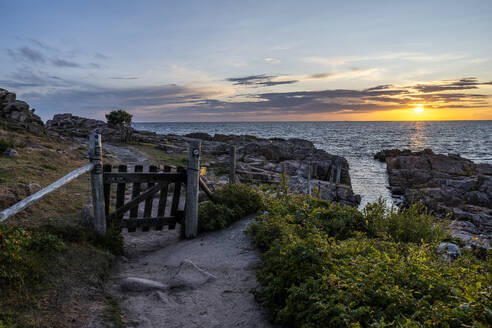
(445, 184)
(17, 115)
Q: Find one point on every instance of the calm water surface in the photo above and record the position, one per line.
(358, 141)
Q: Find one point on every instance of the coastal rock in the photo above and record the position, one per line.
(264, 160)
(73, 126)
(9, 152)
(447, 185)
(17, 115)
(449, 251)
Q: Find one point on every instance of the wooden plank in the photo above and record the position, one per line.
(176, 197)
(192, 188)
(107, 190)
(135, 194)
(143, 177)
(149, 201)
(120, 196)
(149, 221)
(208, 192)
(161, 208)
(133, 204)
(26, 202)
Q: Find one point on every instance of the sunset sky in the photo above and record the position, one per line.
(250, 60)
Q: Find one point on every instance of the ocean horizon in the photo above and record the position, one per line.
(358, 141)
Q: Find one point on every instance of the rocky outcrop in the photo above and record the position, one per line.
(447, 185)
(69, 125)
(17, 114)
(264, 160)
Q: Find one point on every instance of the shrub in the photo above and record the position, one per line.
(21, 252)
(232, 202)
(6, 143)
(330, 266)
(413, 224)
(119, 117)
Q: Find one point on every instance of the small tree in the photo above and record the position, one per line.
(119, 117)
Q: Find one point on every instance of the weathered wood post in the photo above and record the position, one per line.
(95, 156)
(192, 185)
(232, 173)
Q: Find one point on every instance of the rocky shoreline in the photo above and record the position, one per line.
(448, 185)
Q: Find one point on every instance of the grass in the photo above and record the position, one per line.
(56, 274)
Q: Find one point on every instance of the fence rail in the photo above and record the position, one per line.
(44, 192)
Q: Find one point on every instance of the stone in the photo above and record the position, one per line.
(449, 251)
(17, 115)
(10, 152)
(190, 276)
(32, 188)
(135, 284)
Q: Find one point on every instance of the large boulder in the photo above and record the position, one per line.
(446, 184)
(18, 115)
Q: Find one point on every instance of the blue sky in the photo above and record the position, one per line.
(249, 60)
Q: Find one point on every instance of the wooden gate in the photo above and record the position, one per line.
(144, 189)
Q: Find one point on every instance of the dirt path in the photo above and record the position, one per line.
(164, 281)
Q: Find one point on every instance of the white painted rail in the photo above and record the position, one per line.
(44, 192)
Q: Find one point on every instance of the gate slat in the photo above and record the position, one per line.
(135, 193)
(161, 209)
(107, 190)
(120, 196)
(176, 197)
(143, 222)
(149, 201)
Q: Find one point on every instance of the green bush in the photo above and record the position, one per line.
(232, 202)
(330, 266)
(119, 117)
(6, 143)
(21, 252)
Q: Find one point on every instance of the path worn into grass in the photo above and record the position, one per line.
(203, 282)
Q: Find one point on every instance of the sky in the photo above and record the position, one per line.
(191, 61)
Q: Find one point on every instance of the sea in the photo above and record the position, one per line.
(359, 141)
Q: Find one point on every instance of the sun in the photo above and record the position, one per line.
(419, 109)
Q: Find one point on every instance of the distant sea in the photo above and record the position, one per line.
(358, 141)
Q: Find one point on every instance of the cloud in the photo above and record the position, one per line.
(272, 60)
(401, 56)
(99, 55)
(462, 84)
(124, 78)
(64, 63)
(26, 54)
(174, 102)
(260, 80)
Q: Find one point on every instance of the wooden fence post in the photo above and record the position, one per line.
(192, 185)
(95, 156)
(232, 173)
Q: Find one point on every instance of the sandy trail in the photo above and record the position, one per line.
(203, 282)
